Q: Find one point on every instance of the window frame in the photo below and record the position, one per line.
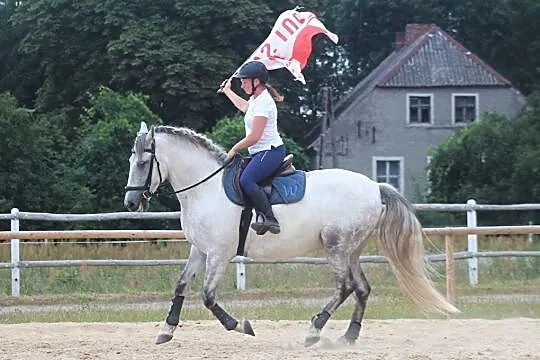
(476, 105)
(431, 108)
(401, 161)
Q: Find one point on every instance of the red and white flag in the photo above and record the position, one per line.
(289, 43)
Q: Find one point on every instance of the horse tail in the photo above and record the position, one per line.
(401, 241)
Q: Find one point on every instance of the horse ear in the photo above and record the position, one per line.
(143, 129)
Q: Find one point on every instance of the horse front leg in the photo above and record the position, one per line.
(194, 264)
(215, 268)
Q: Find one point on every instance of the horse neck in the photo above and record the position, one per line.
(185, 164)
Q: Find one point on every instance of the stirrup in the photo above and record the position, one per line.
(261, 227)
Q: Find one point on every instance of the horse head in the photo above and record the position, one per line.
(144, 171)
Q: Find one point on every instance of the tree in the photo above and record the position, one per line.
(229, 130)
(495, 31)
(109, 127)
(477, 162)
(70, 41)
(494, 161)
(34, 175)
(176, 53)
(19, 74)
(526, 174)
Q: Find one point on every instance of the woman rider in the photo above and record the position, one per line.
(262, 138)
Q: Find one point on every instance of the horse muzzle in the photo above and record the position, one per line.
(137, 202)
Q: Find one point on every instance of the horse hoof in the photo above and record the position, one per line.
(165, 334)
(343, 340)
(163, 338)
(245, 328)
(311, 340)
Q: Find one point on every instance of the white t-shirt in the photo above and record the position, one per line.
(263, 105)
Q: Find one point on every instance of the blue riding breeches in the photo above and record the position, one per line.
(262, 165)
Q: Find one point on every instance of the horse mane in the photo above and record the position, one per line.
(196, 139)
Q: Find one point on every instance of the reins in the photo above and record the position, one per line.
(203, 180)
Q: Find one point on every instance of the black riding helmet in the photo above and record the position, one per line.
(253, 70)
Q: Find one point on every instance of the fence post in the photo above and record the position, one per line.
(450, 268)
(240, 276)
(472, 244)
(15, 256)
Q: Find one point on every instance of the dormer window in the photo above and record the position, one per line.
(419, 109)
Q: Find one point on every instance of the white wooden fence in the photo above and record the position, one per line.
(471, 230)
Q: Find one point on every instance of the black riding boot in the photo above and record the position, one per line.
(264, 209)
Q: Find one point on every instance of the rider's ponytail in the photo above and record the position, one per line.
(274, 93)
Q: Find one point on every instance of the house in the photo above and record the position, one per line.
(426, 89)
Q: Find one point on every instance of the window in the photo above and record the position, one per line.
(389, 170)
(343, 145)
(420, 108)
(464, 108)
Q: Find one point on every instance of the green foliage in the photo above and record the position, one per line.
(52, 53)
(231, 129)
(177, 53)
(476, 162)
(33, 175)
(109, 127)
(66, 42)
(494, 161)
(527, 165)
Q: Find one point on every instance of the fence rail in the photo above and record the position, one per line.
(93, 234)
(471, 230)
(374, 259)
(176, 234)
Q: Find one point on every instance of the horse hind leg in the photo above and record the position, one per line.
(338, 260)
(361, 290)
(193, 266)
(215, 268)
(361, 293)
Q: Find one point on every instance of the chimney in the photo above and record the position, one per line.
(414, 31)
(400, 40)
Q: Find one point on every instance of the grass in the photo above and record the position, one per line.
(383, 306)
(162, 279)
(90, 287)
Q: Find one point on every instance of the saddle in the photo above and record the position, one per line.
(285, 186)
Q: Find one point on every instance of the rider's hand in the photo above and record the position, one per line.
(232, 153)
(226, 84)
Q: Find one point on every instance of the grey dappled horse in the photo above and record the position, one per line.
(339, 212)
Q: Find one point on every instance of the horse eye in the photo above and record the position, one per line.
(141, 162)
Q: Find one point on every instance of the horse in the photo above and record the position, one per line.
(339, 211)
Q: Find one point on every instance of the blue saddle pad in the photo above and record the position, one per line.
(285, 189)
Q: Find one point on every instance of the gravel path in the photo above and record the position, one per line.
(456, 339)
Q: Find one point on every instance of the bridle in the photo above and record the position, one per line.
(147, 194)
